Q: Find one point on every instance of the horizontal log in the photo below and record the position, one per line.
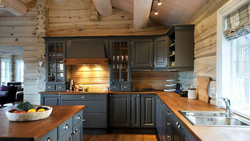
(104, 7)
(16, 7)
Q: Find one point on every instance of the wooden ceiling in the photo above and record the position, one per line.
(175, 11)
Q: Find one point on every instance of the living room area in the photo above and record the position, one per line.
(11, 75)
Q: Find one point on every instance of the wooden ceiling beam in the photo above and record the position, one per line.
(26, 1)
(141, 13)
(104, 7)
(16, 7)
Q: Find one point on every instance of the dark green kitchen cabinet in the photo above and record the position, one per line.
(50, 99)
(119, 110)
(120, 70)
(55, 70)
(161, 52)
(142, 53)
(148, 110)
(136, 110)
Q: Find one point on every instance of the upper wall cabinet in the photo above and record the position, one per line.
(142, 53)
(161, 52)
(55, 69)
(182, 47)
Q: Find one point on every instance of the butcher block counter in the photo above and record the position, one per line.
(177, 103)
(34, 130)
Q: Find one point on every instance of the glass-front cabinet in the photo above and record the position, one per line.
(120, 76)
(55, 69)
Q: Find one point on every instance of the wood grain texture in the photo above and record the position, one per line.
(80, 61)
(120, 137)
(35, 129)
(72, 19)
(205, 66)
(16, 7)
(202, 88)
(141, 13)
(104, 7)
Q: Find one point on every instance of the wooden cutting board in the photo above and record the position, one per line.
(202, 89)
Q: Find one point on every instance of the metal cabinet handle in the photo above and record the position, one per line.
(115, 87)
(138, 95)
(151, 65)
(158, 101)
(168, 123)
(179, 126)
(177, 123)
(111, 82)
(84, 120)
(66, 127)
(110, 95)
(78, 117)
(168, 113)
(168, 136)
(50, 87)
(60, 87)
(125, 87)
(83, 97)
(76, 130)
(49, 139)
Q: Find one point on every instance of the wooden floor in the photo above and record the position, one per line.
(120, 137)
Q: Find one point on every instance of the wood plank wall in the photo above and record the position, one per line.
(72, 19)
(95, 77)
(154, 79)
(205, 21)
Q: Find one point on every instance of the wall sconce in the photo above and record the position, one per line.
(41, 61)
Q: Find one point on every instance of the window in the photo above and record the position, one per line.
(19, 70)
(5, 71)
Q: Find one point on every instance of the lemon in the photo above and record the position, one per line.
(41, 110)
(32, 111)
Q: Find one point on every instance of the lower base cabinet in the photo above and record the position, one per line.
(70, 130)
(169, 127)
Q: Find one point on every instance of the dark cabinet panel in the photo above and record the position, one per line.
(119, 110)
(50, 99)
(90, 106)
(77, 132)
(136, 110)
(161, 52)
(148, 110)
(142, 53)
(94, 120)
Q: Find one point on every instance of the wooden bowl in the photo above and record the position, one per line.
(28, 116)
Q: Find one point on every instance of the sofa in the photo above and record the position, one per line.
(19, 93)
(8, 95)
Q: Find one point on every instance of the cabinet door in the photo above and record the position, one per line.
(148, 110)
(142, 53)
(119, 110)
(50, 99)
(55, 69)
(136, 110)
(177, 131)
(77, 132)
(158, 116)
(161, 52)
(67, 137)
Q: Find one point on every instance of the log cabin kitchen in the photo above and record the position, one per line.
(125, 70)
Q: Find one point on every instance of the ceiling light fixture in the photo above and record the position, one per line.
(159, 2)
(156, 12)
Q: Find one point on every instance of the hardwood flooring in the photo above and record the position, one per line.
(120, 137)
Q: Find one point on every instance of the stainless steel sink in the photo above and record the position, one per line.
(214, 118)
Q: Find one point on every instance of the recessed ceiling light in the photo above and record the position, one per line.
(159, 2)
(156, 12)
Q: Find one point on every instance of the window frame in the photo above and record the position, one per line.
(16, 70)
(9, 68)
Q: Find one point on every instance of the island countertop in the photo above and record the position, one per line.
(34, 130)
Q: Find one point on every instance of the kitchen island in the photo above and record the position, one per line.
(43, 129)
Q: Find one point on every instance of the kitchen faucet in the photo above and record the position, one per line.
(229, 112)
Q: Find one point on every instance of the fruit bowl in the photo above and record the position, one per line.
(28, 116)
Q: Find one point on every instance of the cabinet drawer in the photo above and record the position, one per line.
(52, 135)
(60, 88)
(94, 120)
(64, 128)
(77, 118)
(114, 87)
(85, 97)
(125, 87)
(50, 87)
(90, 106)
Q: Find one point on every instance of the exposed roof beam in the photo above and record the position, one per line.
(16, 7)
(141, 13)
(26, 1)
(104, 7)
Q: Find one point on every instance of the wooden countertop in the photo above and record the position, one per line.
(35, 129)
(204, 133)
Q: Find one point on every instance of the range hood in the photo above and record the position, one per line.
(86, 52)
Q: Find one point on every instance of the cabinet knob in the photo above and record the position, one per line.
(83, 97)
(125, 87)
(110, 95)
(138, 95)
(177, 123)
(66, 127)
(151, 65)
(179, 126)
(168, 123)
(168, 113)
(60, 87)
(168, 136)
(49, 139)
(84, 120)
(76, 130)
(78, 117)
